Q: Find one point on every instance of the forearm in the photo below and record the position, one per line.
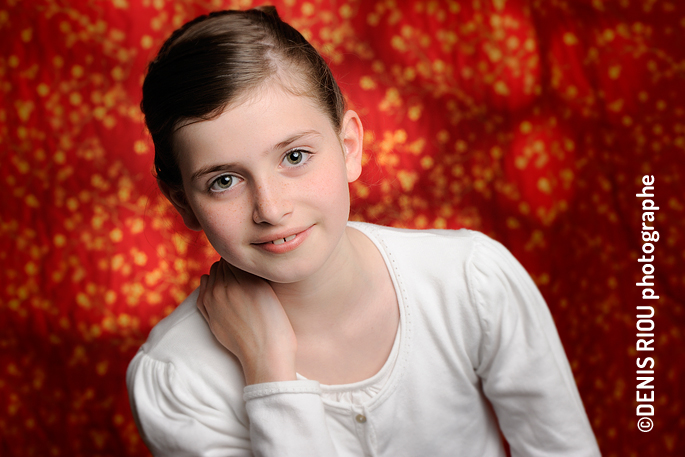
(288, 419)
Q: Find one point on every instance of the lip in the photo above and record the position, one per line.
(296, 236)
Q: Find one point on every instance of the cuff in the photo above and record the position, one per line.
(272, 388)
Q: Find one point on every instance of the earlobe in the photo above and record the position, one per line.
(353, 144)
(178, 199)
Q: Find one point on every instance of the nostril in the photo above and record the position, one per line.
(271, 202)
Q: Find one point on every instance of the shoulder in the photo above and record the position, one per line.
(182, 336)
(181, 350)
(479, 269)
(432, 247)
(456, 281)
(185, 389)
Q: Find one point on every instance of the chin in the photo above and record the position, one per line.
(287, 277)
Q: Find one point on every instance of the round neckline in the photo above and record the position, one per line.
(402, 338)
(383, 375)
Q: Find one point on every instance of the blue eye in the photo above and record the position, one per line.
(222, 183)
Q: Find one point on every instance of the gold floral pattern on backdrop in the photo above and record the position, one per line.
(532, 121)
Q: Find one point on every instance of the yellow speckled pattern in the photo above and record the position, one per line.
(530, 120)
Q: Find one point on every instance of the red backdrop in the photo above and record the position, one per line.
(532, 121)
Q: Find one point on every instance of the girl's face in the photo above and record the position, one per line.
(267, 181)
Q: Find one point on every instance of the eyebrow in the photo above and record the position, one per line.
(227, 166)
(210, 169)
(284, 144)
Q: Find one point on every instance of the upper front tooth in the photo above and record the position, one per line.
(283, 240)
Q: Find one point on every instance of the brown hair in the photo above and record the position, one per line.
(219, 59)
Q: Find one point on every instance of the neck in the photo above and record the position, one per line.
(332, 296)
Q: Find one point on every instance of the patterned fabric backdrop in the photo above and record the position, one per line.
(530, 120)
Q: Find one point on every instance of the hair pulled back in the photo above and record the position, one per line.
(219, 59)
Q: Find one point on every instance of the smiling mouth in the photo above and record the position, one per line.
(283, 240)
(285, 244)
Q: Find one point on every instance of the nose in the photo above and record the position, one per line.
(271, 202)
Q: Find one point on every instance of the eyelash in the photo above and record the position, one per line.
(306, 156)
(212, 185)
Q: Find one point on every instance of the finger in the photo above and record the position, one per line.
(215, 266)
(221, 273)
(202, 288)
(200, 299)
(211, 279)
(203, 311)
(241, 277)
(227, 273)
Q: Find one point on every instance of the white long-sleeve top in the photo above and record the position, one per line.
(474, 332)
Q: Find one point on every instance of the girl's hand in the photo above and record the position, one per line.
(246, 317)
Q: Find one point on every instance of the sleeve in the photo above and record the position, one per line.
(176, 418)
(522, 364)
(287, 419)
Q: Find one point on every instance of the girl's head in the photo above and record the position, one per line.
(253, 144)
(220, 60)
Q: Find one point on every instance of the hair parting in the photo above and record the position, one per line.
(220, 60)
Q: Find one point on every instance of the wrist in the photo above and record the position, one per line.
(269, 370)
(271, 374)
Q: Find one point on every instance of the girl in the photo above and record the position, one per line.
(315, 336)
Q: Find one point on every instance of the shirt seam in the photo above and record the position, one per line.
(474, 295)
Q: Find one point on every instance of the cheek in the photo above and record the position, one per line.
(330, 188)
(221, 222)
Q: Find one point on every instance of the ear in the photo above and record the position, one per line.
(352, 138)
(178, 198)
